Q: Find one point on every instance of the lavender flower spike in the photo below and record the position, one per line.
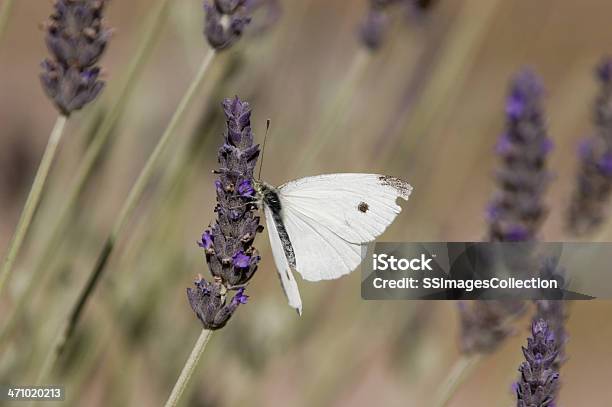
(76, 37)
(225, 22)
(228, 244)
(594, 183)
(517, 209)
(539, 380)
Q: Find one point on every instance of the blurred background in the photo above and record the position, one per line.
(427, 106)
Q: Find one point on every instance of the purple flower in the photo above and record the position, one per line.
(241, 260)
(207, 241)
(240, 297)
(245, 189)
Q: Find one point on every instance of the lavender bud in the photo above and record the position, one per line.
(539, 380)
(517, 210)
(594, 182)
(208, 301)
(76, 38)
(225, 22)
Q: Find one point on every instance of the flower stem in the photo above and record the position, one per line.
(100, 140)
(128, 207)
(33, 199)
(460, 371)
(188, 369)
(5, 12)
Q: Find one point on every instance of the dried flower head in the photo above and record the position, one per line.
(228, 244)
(225, 22)
(374, 26)
(517, 209)
(594, 184)
(208, 301)
(76, 38)
(539, 380)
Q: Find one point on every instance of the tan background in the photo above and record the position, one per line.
(428, 107)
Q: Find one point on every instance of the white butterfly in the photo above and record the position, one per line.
(317, 224)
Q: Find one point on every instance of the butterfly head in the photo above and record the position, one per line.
(267, 194)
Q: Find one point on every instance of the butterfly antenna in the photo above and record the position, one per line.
(263, 150)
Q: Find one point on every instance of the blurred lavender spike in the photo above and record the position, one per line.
(588, 209)
(225, 22)
(517, 209)
(374, 26)
(538, 384)
(76, 38)
(228, 244)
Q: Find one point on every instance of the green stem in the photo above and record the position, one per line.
(128, 208)
(5, 12)
(461, 370)
(100, 140)
(188, 369)
(33, 199)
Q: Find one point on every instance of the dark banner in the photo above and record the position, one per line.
(486, 271)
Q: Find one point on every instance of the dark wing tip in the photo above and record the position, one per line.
(403, 188)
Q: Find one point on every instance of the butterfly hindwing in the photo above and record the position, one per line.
(282, 263)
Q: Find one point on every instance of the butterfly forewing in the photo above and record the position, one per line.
(328, 217)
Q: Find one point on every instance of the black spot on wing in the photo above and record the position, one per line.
(363, 207)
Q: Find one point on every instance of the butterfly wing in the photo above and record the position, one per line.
(282, 263)
(328, 217)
